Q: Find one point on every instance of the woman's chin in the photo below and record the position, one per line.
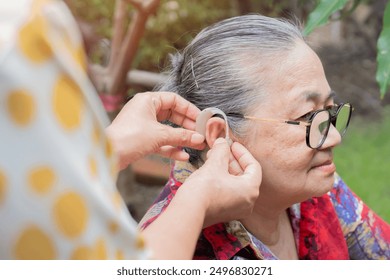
(326, 186)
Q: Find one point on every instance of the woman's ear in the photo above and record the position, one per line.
(215, 128)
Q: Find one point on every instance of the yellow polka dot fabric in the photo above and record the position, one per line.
(67, 102)
(33, 243)
(41, 179)
(21, 107)
(58, 198)
(3, 185)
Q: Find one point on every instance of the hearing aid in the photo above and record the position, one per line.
(205, 115)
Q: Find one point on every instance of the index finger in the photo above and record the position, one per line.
(178, 119)
(180, 109)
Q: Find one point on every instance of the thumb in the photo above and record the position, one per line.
(219, 153)
(252, 168)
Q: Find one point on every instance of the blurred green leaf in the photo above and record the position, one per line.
(383, 54)
(320, 15)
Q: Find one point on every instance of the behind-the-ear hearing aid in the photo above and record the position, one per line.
(205, 115)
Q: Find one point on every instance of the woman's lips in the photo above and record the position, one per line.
(328, 167)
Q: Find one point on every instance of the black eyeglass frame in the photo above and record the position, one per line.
(336, 108)
(333, 112)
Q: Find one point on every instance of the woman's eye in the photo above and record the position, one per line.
(330, 106)
(306, 117)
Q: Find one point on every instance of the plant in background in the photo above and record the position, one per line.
(325, 9)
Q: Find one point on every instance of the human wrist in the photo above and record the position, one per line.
(194, 198)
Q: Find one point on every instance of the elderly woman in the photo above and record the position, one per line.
(272, 87)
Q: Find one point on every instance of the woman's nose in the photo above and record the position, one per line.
(333, 139)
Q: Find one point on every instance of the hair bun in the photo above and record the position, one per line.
(177, 61)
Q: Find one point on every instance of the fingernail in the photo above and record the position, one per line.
(197, 138)
(220, 141)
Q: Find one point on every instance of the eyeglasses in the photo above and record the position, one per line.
(318, 122)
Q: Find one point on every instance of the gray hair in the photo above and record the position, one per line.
(222, 67)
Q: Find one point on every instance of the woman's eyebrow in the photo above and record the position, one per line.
(311, 96)
(332, 95)
(315, 96)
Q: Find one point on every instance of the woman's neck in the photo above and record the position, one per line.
(273, 228)
(265, 225)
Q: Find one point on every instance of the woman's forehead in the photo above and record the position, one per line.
(299, 75)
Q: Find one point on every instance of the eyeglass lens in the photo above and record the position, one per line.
(321, 123)
(342, 119)
(319, 128)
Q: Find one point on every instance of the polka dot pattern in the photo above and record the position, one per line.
(119, 255)
(101, 250)
(34, 244)
(117, 200)
(21, 107)
(33, 42)
(113, 227)
(81, 58)
(82, 253)
(92, 166)
(42, 179)
(96, 134)
(71, 214)
(140, 242)
(67, 102)
(114, 168)
(109, 149)
(3, 186)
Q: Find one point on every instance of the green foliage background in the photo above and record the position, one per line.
(171, 28)
(326, 8)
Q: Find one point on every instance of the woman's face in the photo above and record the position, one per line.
(293, 172)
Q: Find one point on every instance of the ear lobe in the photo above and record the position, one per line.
(215, 128)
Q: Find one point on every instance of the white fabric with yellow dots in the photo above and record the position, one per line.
(58, 198)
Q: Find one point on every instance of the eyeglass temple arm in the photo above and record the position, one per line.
(268, 120)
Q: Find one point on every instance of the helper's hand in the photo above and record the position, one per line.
(137, 131)
(226, 196)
